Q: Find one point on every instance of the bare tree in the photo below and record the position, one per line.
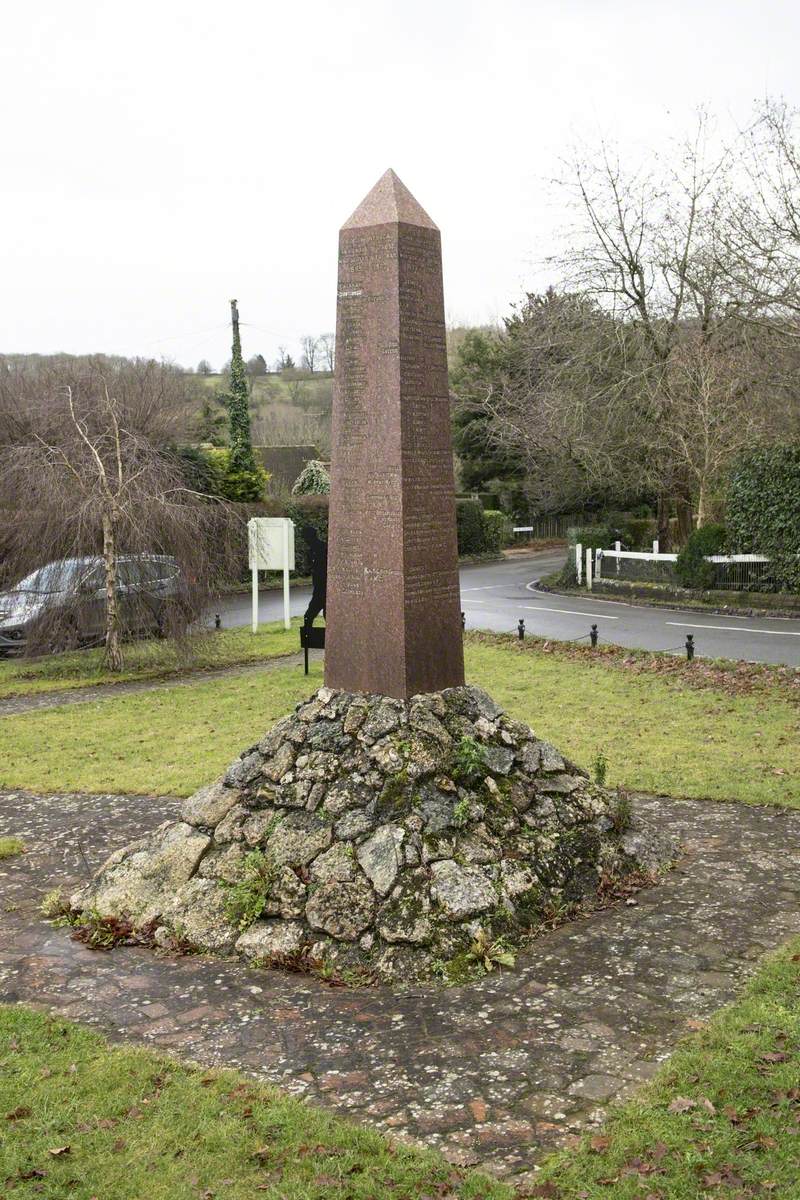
(714, 413)
(650, 246)
(89, 454)
(298, 391)
(327, 348)
(310, 346)
(763, 241)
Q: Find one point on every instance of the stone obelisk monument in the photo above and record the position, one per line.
(393, 612)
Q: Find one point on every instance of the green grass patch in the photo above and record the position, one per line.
(169, 741)
(82, 1119)
(720, 1120)
(10, 847)
(159, 659)
(656, 733)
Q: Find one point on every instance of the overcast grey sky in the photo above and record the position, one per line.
(161, 157)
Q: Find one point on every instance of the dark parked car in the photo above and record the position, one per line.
(62, 604)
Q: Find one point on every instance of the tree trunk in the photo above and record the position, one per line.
(683, 507)
(662, 521)
(113, 656)
(702, 514)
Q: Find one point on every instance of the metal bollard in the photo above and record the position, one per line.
(593, 635)
(463, 621)
(217, 621)
(689, 647)
(521, 629)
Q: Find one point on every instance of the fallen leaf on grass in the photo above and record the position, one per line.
(637, 1166)
(600, 1143)
(19, 1114)
(681, 1104)
(57, 1151)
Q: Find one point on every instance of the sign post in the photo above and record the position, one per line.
(270, 542)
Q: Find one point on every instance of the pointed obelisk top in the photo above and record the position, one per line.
(389, 202)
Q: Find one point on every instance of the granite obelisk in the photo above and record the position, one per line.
(393, 623)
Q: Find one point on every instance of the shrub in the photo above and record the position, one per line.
(240, 486)
(568, 576)
(313, 480)
(763, 509)
(691, 568)
(597, 536)
(637, 533)
(497, 530)
(471, 526)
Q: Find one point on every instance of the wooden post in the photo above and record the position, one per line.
(588, 568)
(287, 620)
(618, 548)
(579, 562)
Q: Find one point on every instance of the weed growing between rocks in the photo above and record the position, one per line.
(104, 933)
(10, 847)
(55, 906)
(600, 768)
(247, 898)
(100, 932)
(622, 814)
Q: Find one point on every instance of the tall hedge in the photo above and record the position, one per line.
(471, 527)
(497, 526)
(763, 509)
(691, 568)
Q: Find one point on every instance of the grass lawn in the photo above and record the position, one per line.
(657, 732)
(720, 1120)
(147, 660)
(84, 1120)
(167, 741)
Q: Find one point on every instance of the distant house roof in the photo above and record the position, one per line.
(284, 463)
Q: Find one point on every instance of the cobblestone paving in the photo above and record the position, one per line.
(495, 1073)
(11, 706)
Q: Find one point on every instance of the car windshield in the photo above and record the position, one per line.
(55, 577)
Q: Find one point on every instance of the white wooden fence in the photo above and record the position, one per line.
(589, 563)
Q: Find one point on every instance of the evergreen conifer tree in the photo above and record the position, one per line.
(239, 405)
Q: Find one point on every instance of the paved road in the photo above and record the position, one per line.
(495, 596)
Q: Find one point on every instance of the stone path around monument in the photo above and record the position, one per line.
(495, 1073)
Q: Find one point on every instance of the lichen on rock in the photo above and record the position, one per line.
(389, 835)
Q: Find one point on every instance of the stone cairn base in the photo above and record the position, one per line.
(376, 837)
